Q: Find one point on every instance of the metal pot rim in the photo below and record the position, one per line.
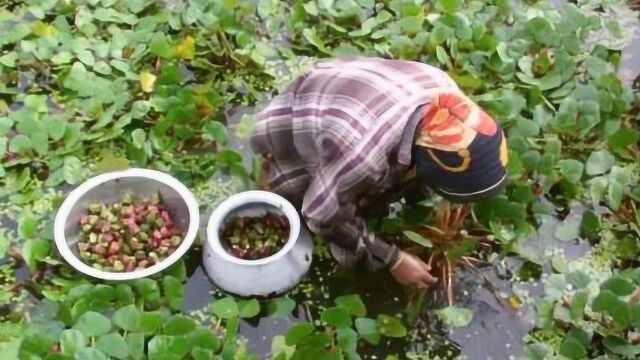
(250, 197)
(152, 175)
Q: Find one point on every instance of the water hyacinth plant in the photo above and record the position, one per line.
(445, 242)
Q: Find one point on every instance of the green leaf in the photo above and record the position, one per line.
(63, 57)
(635, 315)
(27, 226)
(541, 30)
(179, 325)
(202, 354)
(72, 340)
(311, 8)
(454, 316)
(37, 103)
(205, 339)
(337, 317)
(347, 339)
(3, 147)
(568, 230)
(537, 351)
(139, 137)
(136, 6)
(128, 318)
(578, 303)
(590, 224)
(10, 348)
(279, 349)
(417, 238)
(604, 301)
(90, 354)
(160, 46)
(368, 329)
(173, 291)
(579, 279)
(598, 187)
(168, 347)
(391, 326)
(442, 55)
(9, 59)
(572, 349)
(135, 344)
(621, 347)
(139, 109)
(280, 307)
(298, 332)
(572, 170)
(448, 6)
(72, 170)
(215, 130)
(93, 324)
(353, 304)
(621, 139)
(326, 4)
(20, 144)
(124, 296)
(621, 314)
(148, 290)
(618, 285)
(113, 345)
(40, 143)
(312, 37)
(248, 308)
(225, 308)
(614, 194)
(111, 162)
(102, 67)
(86, 57)
(55, 128)
(150, 321)
(4, 244)
(34, 251)
(599, 162)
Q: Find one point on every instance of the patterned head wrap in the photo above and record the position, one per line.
(461, 151)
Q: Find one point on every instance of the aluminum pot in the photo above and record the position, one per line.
(111, 187)
(268, 276)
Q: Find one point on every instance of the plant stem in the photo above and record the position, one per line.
(307, 311)
(473, 216)
(456, 217)
(449, 283)
(470, 260)
(444, 277)
(435, 229)
(446, 213)
(431, 258)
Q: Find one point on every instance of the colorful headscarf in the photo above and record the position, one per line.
(461, 151)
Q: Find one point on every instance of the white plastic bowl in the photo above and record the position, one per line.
(268, 276)
(110, 187)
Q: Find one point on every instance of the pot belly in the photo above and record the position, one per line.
(270, 279)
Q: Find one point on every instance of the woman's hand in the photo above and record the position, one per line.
(411, 271)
